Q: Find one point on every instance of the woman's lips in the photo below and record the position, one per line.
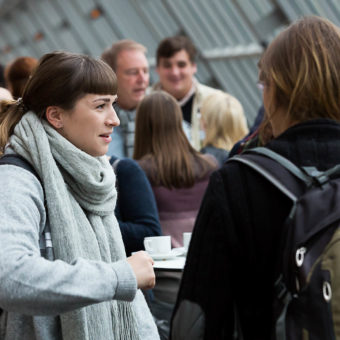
(107, 138)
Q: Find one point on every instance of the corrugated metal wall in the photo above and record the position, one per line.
(229, 34)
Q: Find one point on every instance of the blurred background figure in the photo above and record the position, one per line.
(127, 59)
(136, 209)
(178, 175)
(224, 123)
(177, 172)
(176, 67)
(17, 73)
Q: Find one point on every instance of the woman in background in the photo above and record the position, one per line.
(178, 175)
(17, 73)
(177, 172)
(224, 123)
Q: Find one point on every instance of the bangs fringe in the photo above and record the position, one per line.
(98, 78)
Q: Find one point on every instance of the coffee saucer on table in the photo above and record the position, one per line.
(168, 256)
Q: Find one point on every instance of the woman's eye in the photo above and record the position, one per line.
(101, 106)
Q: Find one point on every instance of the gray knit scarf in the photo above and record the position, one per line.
(81, 196)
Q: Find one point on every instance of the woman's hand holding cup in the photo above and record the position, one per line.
(142, 266)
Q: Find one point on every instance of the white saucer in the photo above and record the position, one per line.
(175, 252)
(167, 256)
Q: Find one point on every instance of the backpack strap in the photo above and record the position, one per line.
(287, 164)
(258, 167)
(45, 241)
(14, 159)
(309, 175)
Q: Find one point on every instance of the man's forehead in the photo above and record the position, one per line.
(128, 58)
(181, 55)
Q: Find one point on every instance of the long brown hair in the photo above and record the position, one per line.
(301, 68)
(159, 137)
(60, 79)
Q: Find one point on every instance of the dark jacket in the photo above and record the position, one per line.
(136, 209)
(236, 241)
(220, 154)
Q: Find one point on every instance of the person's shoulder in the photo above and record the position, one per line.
(126, 164)
(211, 159)
(206, 90)
(220, 154)
(19, 186)
(148, 164)
(146, 161)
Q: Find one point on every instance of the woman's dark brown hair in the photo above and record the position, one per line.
(159, 138)
(60, 79)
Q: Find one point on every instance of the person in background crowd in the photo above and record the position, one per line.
(233, 258)
(178, 175)
(127, 58)
(64, 273)
(17, 73)
(176, 67)
(136, 209)
(224, 123)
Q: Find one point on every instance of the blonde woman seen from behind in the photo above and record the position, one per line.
(224, 123)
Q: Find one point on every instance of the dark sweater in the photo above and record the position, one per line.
(235, 244)
(136, 209)
(220, 154)
(187, 109)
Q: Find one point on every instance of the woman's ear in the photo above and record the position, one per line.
(54, 116)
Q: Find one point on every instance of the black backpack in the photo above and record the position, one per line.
(307, 304)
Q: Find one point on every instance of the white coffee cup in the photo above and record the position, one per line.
(157, 244)
(186, 240)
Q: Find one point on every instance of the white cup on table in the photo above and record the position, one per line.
(157, 244)
(186, 240)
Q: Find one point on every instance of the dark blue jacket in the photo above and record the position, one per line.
(136, 209)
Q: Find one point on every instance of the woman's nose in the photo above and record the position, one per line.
(112, 119)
